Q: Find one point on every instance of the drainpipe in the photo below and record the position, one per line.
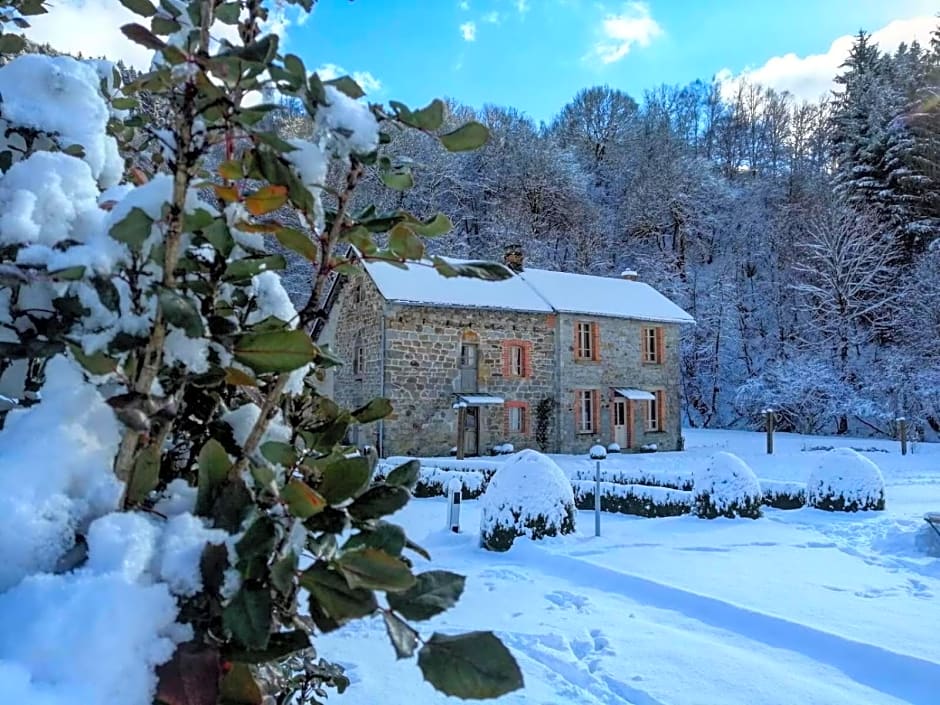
(382, 372)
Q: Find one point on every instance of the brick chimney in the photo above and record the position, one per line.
(630, 275)
(514, 257)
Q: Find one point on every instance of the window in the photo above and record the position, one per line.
(620, 414)
(359, 360)
(517, 358)
(587, 408)
(517, 417)
(655, 416)
(652, 343)
(586, 341)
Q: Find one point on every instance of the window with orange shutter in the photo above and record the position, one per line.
(586, 341)
(587, 410)
(652, 345)
(656, 412)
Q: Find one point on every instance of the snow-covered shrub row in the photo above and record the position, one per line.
(726, 487)
(673, 479)
(503, 449)
(638, 500)
(486, 467)
(845, 481)
(528, 496)
(433, 482)
(783, 495)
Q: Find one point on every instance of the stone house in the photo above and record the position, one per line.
(544, 359)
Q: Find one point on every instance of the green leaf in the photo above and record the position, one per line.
(238, 687)
(434, 592)
(248, 617)
(302, 501)
(163, 25)
(257, 542)
(440, 224)
(228, 12)
(219, 236)
(279, 453)
(488, 271)
(373, 569)
(404, 639)
(405, 475)
(133, 230)
(398, 179)
(344, 478)
(379, 501)
(244, 269)
(214, 466)
(474, 666)
(12, 44)
(298, 242)
(465, 138)
(345, 84)
(385, 536)
(330, 591)
(376, 409)
(145, 474)
(275, 351)
(96, 363)
(124, 103)
(140, 7)
(280, 644)
(69, 274)
(143, 36)
(282, 573)
(182, 313)
(404, 243)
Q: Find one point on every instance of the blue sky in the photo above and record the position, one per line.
(536, 54)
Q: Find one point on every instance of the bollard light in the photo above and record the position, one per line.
(597, 453)
(454, 489)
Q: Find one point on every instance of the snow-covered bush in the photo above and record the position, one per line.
(528, 496)
(726, 487)
(638, 500)
(845, 481)
(168, 458)
(783, 495)
(613, 447)
(503, 449)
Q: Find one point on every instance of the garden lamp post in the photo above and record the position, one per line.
(598, 453)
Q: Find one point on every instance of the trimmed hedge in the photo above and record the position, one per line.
(846, 481)
(671, 480)
(726, 487)
(638, 500)
(433, 482)
(783, 495)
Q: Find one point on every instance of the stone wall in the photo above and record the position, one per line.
(356, 319)
(620, 365)
(422, 374)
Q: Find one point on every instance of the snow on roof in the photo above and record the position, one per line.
(634, 394)
(536, 290)
(604, 296)
(420, 284)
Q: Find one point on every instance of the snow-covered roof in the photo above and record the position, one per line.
(421, 284)
(634, 394)
(534, 290)
(604, 296)
(478, 399)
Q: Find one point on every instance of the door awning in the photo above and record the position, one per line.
(476, 400)
(634, 394)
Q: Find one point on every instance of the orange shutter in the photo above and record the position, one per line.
(642, 345)
(525, 418)
(660, 346)
(595, 411)
(596, 340)
(661, 409)
(577, 412)
(527, 359)
(506, 368)
(577, 347)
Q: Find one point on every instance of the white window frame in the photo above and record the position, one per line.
(586, 411)
(516, 360)
(585, 344)
(652, 414)
(517, 419)
(359, 360)
(651, 345)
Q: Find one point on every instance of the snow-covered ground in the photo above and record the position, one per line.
(800, 607)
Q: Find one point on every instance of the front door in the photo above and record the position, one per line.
(621, 423)
(471, 431)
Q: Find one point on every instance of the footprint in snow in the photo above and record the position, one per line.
(567, 600)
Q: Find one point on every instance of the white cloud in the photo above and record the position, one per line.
(464, 5)
(522, 6)
(634, 25)
(810, 77)
(366, 80)
(492, 17)
(93, 28)
(469, 31)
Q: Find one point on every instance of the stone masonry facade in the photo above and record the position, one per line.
(411, 354)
